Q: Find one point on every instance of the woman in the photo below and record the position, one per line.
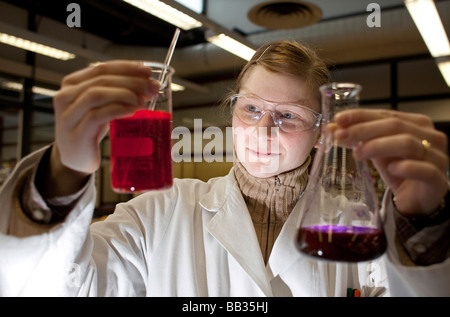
(223, 237)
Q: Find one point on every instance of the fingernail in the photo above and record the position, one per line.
(145, 70)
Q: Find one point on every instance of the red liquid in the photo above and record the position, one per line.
(141, 152)
(340, 243)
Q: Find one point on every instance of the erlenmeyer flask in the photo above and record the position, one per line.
(340, 209)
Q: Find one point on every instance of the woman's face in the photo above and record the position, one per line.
(262, 148)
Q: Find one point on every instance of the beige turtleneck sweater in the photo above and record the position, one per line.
(271, 200)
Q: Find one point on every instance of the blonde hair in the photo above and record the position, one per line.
(287, 57)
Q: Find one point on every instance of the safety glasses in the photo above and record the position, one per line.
(289, 117)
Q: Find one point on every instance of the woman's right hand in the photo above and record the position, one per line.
(87, 101)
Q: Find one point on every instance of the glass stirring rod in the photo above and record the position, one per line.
(162, 75)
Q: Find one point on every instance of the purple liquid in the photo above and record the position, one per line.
(341, 243)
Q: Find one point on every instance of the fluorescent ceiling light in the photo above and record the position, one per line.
(44, 91)
(444, 67)
(15, 86)
(176, 87)
(166, 13)
(50, 92)
(35, 47)
(427, 20)
(231, 45)
(181, 16)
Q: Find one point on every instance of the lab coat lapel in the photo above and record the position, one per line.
(284, 252)
(232, 227)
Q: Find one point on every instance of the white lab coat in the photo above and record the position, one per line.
(196, 239)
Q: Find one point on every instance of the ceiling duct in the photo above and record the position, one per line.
(288, 14)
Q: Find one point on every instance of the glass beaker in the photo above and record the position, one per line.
(340, 210)
(141, 144)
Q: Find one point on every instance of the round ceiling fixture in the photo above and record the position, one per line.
(285, 14)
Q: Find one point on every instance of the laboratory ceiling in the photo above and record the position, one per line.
(344, 32)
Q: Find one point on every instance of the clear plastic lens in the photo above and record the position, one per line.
(288, 117)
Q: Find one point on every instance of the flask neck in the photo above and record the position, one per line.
(337, 97)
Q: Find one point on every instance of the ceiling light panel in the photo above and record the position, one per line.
(35, 47)
(429, 24)
(231, 45)
(166, 13)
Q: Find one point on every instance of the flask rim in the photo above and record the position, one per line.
(336, 87)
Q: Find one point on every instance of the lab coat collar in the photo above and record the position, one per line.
(233, 228)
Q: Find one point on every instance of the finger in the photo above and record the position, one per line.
(80, 148)
(427, 180)
(119, 67)
(350, 117)
(80, 145)
(416, 170)
(402, 146)
(364, 131)
(99, 97)
(139, 85)
(93, 123)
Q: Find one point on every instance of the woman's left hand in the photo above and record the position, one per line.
(408, 152)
